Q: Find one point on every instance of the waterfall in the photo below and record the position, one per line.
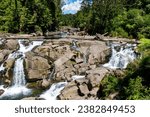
(121, 57)
(2, 67)
(18, 88)
(18, 75)
(54, 91)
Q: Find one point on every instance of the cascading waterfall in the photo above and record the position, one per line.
(18, 88)
(56, 88)
(54, 91)
(122, 57)
(19, 76)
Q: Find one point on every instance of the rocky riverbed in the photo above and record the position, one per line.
(77, 62)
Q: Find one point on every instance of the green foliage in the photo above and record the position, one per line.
(129, 24)
(119, 32)
(67, 20)
(110, 84)
(134, 89)
(29, 16)
(144, 44)
(102, 13)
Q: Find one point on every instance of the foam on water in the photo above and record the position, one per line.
(54, 91)
(2, 67)
(14, 92)
(121, 58)
(31, 45)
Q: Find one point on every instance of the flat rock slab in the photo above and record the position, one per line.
(59, 62)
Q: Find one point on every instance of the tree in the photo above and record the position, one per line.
(29, 15)
(102, 13)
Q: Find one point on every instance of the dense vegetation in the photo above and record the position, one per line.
(29, 15)
(124, 18)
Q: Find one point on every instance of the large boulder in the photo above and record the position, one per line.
(63, 59)
(37, 68)
(98, 54)
(78, 90)
(94, 52)
(52, 50)
(7, 74)
(96, 75)
(43, 50)
(64, 74)
(3, 54)
(70, 92)
(11, 44)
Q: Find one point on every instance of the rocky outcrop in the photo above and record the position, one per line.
(52, 50)
(7, 74)
(86, 88)
(98, 54)
(3, 54)
(95, 76)
(59, 62)
(36, 68)
(11, 44)
(78, 90)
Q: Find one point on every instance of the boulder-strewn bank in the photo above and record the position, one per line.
(60, 60)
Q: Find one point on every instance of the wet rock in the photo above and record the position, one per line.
(2, 43)
(1, 57)
(1, 91)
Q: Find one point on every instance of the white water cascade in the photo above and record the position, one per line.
(18, 88)
(2, 67)
(122, 57)
(54, 91)
(19, 76)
